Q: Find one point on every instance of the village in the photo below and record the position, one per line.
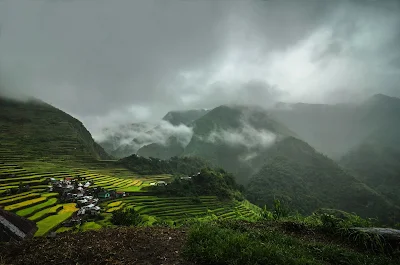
(86, 196)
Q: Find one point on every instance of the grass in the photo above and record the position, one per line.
(50, 195)
(69, 208)
(64, 229)
(237, 244)
(182, 209)
(114, 204)
(131, 189)
(112, 209)
(33, 209)
(53, 221)
(90, 226)
(17, 198)
(48, 211)
(24, 204)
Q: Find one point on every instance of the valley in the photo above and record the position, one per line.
(55, 175)
(183, 132)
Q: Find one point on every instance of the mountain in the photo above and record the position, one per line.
(162, 151)
(232, 136)
(376, 161)
(118, 141)
(184, 116)
(34, 129)
(113, 138)
(307, 180)
(335, 129)
(151, 140)
(175, 165)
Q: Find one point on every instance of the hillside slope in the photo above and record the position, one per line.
(307, 180)
(376, 161)
(171, 148)
(231, 136)
(335, 129)
(184, 116)
(34, 129)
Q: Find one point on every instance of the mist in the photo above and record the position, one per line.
(120, 62)
(246, 136)
(135, 136)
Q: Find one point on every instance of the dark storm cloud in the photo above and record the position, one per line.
(110, 62)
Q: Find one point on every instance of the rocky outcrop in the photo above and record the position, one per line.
(14, 227)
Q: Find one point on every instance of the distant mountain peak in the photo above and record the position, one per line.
(381, 98)
(177, 117)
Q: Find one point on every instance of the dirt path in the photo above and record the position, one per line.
(110, 246)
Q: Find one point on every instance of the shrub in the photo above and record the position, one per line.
(126, 217)
(231, 242)
(279, 210)
(196, 200)
(265, 214)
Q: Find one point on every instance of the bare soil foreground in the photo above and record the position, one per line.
(108, 246)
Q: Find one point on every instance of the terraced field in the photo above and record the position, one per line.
(12, 176)
(43, 207)
(180, 209)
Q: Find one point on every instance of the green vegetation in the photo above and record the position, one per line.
(89, 226)
(45, 212)
(376, 162)
(126, 217)
(175, 165)
(247, 243)
(54, 221)
(24, 204)
(206, 182)
(230, 155)
(183, 209)
(306, 180)
(34, 129)
(33, 209)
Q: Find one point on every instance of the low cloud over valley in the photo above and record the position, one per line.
(119, 62)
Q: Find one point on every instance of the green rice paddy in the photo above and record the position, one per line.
(44, 208)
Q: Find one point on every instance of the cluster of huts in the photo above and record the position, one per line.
(82, 192)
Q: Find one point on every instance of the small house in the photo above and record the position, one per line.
(104, 195)
(94, 210)
(83, 202)
(81, 211)
(161, 183)
(120, 194)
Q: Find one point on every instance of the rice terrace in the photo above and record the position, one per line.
(42, 206)
(177, 132)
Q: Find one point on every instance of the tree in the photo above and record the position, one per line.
(126, 217)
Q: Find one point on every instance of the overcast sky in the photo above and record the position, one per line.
(116, 61)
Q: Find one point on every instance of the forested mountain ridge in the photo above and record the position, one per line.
(36, 129)
(307, 180)
(184, 116)
(335, 129)
(231, 137)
